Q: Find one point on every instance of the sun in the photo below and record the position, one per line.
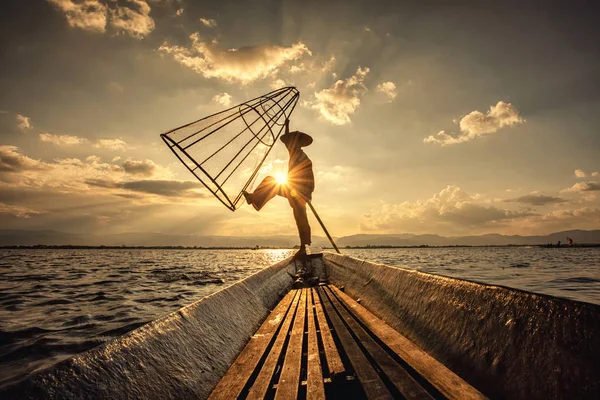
(281, 178)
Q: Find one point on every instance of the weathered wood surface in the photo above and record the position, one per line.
(240, 371)
(444, 380)
(314, 379)
(405, 384)
(260, 387)
(334, 362)
(289, 381)
(369, 379)
(369, 358)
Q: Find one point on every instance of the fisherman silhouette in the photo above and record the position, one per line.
(299, 186)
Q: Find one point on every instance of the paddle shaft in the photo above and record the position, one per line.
(322, 226)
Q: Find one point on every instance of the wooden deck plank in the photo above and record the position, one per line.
(289, 380)
(368, 377)
(315, 390)
(261, 385)
(406, 385)
(334, 362)
(242, 368)
(442, 378)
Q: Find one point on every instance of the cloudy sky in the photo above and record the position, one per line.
(427, 117)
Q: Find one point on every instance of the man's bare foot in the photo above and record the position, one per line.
(301, 252)
(248, 197)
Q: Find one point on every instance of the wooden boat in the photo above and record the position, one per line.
(361, 330)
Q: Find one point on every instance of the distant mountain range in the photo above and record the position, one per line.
(49, 237)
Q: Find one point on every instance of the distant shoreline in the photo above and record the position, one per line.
(101, 247)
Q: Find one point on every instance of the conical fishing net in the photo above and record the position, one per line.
(225, 151)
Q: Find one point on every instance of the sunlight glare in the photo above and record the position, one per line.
(281, 178)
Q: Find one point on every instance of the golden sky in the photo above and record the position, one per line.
(427, 117)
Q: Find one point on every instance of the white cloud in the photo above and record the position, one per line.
(278, 83)
(209, 23)
(131, 16)
(476, 124)
(140, 167)
(223, 99)
(24, 122)
(296, 69)
(452, 210)
(584, 214)
(591, 186)
(536, 199)
(90, 15)
(61, 140)
(111, 144)
(243, 65)
(17, 211)
(388, 89)
(341, 100)
(76, 176)
(133, 20)
(11, 160)
(580, 173)
(329, 64)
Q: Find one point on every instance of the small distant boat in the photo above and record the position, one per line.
(351, 329)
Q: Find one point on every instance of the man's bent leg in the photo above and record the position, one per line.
(267, 189)
(299, 207)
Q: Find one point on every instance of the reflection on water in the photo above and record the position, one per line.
(56, 303)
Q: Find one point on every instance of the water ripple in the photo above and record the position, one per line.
(57, 303)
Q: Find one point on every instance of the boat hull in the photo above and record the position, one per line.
(505, 342)
(181, 355)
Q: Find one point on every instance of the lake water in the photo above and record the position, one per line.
(57, 303)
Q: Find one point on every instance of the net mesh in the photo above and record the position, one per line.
(226, 150)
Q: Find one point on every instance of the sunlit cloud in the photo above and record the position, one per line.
(579, 173)
(12, 160)
(278, 83)
(140, 167)
(62, 140)
(388, 89)
(536, 200)
(166, 188)
(587, 214)
(450, 210)
(17, 211)
(89, 15)
(243, 65)
(24, 123)
(341, 100)
(111, 144)
(133, 20)
(329, 64)
(209, 23)
(590, 186)
(477, 124)
(74, 175)
(223, 99)
(131, 17)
